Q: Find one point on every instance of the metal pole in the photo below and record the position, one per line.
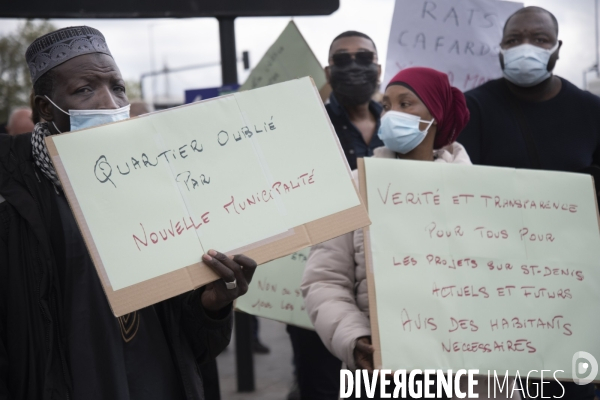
(151, 42)
(142, 88)
(243, 321)
(243, 352)
(228, 53)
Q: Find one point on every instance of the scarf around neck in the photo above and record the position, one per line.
(40, 152)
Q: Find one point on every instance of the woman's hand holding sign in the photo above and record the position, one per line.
(363, 354)
(235, 273)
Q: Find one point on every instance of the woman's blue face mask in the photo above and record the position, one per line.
(400, 131)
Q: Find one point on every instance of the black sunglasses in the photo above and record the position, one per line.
(345, 59)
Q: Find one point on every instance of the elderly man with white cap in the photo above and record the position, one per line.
(58, 336)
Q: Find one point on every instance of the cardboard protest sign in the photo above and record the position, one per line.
(458, 37)
(481, 268)
(259, 172)
(288, 58)
(274, 292)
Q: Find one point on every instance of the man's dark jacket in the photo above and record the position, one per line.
(345, 129)
(33, 363)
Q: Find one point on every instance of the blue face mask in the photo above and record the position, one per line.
(82, 119)
(527, 65)
(400, 131)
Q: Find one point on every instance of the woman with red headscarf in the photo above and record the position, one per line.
(423, 116)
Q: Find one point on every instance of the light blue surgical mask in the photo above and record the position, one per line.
(400, 131)
(527, 65)
(81, 119)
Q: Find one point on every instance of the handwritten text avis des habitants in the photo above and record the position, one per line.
(107, 171)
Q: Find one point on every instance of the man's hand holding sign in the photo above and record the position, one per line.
(236, 274)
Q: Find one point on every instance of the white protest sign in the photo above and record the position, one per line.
(275, 293)
(481, 268)
(239, 172)
(458, 37)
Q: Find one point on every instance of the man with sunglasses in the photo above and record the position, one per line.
(353, 74)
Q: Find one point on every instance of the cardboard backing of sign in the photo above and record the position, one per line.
(375, 340)
(375, 334)
(183, 280)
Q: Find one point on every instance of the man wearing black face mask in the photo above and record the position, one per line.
(353, 74)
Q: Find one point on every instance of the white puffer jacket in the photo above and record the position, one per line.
(335, 285)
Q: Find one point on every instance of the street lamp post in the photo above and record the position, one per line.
(151, 43)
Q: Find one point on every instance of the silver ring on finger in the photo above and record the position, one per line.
(231, 285)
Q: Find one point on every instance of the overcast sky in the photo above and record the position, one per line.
(196, 40)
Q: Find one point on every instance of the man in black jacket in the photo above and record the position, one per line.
(353, 73)
(532, 118)
(58, 336)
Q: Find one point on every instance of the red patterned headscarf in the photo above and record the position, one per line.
(446, 103)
